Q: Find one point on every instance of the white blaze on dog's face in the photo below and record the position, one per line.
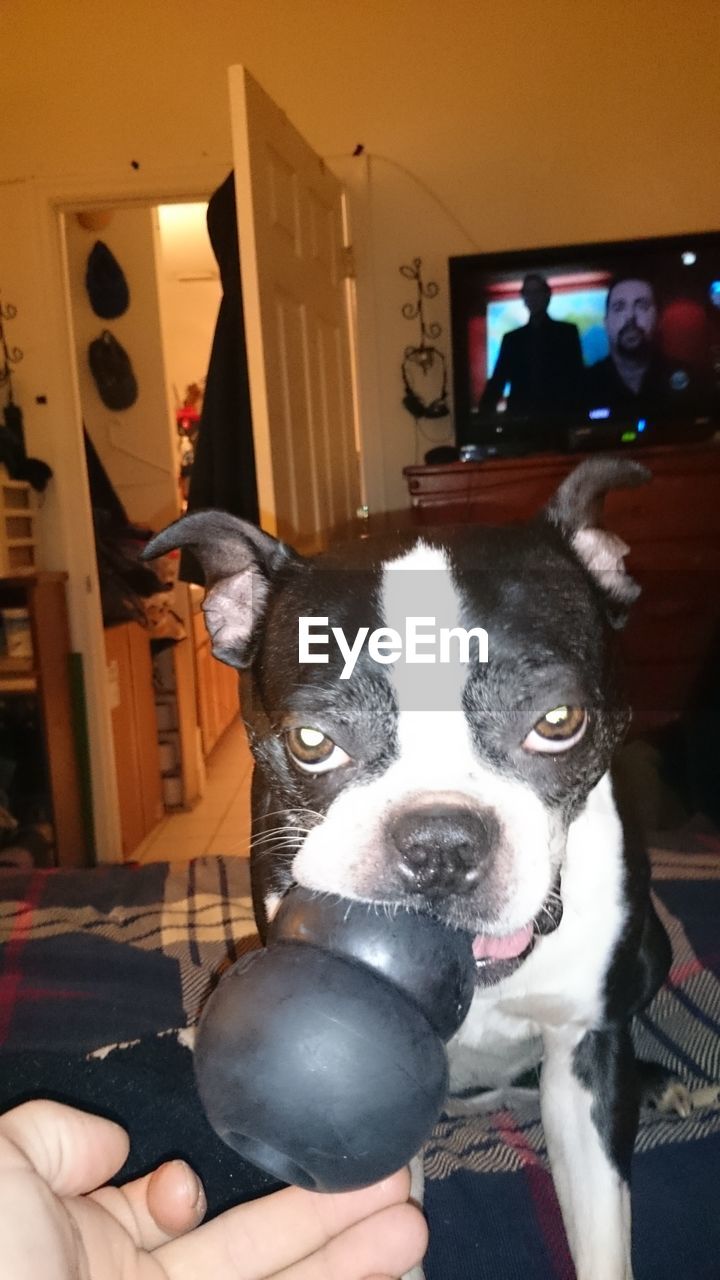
(437, 772)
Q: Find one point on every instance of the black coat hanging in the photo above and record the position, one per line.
(223, 474)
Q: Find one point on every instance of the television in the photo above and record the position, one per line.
(586, 346)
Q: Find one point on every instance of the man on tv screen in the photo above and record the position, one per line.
(637, 376)
(541, 361)
(634, 371)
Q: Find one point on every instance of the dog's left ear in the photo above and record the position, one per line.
(577, 509)
(240, 564)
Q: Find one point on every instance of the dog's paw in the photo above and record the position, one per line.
(675, 1098)
(708, 1097)
(186, 1037)
(682, 1101)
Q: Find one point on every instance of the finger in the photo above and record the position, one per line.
(390, 1242)
(73, 1152)
(260, 1238)
(159, 1207)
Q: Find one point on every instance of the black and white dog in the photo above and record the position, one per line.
(483, 790)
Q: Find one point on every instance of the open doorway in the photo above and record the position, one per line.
(315, 422)
(144, 294)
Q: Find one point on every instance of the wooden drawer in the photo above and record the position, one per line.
(682, 501)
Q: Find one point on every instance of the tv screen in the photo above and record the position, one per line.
(588, 344)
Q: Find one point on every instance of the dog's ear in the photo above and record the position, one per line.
(577, 509)
(240, 563)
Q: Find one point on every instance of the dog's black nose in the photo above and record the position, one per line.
(442, 847)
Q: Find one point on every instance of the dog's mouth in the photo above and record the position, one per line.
(496, 957)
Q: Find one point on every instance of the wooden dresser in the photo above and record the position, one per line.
(671, 645)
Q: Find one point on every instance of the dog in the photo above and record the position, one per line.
(482, 790)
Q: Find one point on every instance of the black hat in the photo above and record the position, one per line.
(106, 285)
(113, 373)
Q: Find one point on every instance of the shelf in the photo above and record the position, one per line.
(17, 675)
(17, 684)
(32, 577)
(48, 678)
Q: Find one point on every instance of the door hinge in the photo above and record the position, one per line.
(348, 262)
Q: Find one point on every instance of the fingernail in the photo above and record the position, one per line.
(192, 1185)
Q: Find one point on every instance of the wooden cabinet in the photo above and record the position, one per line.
(137, 757)
(672, 526)
(47, 677)
(217, 688)
(180, 658)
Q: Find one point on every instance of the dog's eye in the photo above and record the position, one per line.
(557, 730)
(313, 751)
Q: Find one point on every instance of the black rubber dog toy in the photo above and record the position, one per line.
(321, 1058)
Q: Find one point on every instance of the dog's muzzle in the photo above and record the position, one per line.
(442, 849)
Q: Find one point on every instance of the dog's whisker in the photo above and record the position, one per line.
(289, 810)
(286, 855)
(281, 831)
(295, 832)
(279, 842)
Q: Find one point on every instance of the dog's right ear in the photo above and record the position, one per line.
(240, 563)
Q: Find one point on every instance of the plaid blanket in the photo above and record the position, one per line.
(122, 954)
(116, 953)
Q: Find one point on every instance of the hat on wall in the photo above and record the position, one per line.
(113, 373)
(105, 283)
(94, 219)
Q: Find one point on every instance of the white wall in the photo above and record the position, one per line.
(23, 286)
(551, 121)
(393, 221)
(190, 293)
(534, 122)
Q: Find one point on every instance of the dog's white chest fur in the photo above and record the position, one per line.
(561, 984)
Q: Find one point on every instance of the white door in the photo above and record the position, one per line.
(292, 253)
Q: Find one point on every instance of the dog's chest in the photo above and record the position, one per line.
(562, 983)
(501, 1037)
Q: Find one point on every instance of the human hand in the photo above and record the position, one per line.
(58, 1220)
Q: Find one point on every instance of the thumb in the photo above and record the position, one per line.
(72, 1151)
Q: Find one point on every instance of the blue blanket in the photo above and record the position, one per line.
(100, 970)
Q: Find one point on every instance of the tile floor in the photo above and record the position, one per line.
(220, 822)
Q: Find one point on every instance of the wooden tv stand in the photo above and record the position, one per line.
(672, 525)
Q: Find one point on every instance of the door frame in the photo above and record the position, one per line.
(70, 526)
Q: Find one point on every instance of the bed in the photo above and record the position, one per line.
(103, 973)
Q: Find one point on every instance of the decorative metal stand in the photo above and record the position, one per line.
(12, 436)
(423, 368)
(8, 355)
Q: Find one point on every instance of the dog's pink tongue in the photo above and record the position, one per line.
(512, 944)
